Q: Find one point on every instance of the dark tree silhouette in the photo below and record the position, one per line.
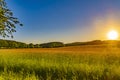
(7, 21)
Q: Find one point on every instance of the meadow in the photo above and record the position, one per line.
(66, 63)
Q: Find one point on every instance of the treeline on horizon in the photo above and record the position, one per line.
(16, 44)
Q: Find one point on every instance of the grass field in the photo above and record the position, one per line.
(67, 63)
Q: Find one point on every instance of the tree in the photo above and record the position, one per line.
(52, 45)
(3, 44)
(22, 45)
(36, 46)
(7, 21)
(31, 45)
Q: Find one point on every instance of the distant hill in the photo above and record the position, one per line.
(95, 43)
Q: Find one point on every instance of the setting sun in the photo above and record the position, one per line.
(112, 35)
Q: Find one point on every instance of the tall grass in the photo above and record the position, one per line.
(60, 64)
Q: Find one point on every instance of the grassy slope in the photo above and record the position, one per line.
(67, 63)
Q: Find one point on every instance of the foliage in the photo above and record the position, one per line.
(52, 45)
(16, 44)
(11, 44)
(95, 43)
(7, 20)
(31, 45)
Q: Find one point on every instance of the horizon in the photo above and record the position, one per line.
(65, 20)
(63, 42)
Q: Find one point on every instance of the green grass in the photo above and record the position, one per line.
(60, 64)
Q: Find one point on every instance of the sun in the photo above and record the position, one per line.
(112, 35)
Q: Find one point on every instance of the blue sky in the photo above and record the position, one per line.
(63, 20)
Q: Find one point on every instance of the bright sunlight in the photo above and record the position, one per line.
(112, 35)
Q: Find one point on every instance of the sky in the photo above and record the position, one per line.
(64, 20)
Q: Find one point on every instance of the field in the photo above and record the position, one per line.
(66, 63)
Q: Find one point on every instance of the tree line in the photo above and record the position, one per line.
(16, 44)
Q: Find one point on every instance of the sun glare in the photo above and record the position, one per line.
(112, 35)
